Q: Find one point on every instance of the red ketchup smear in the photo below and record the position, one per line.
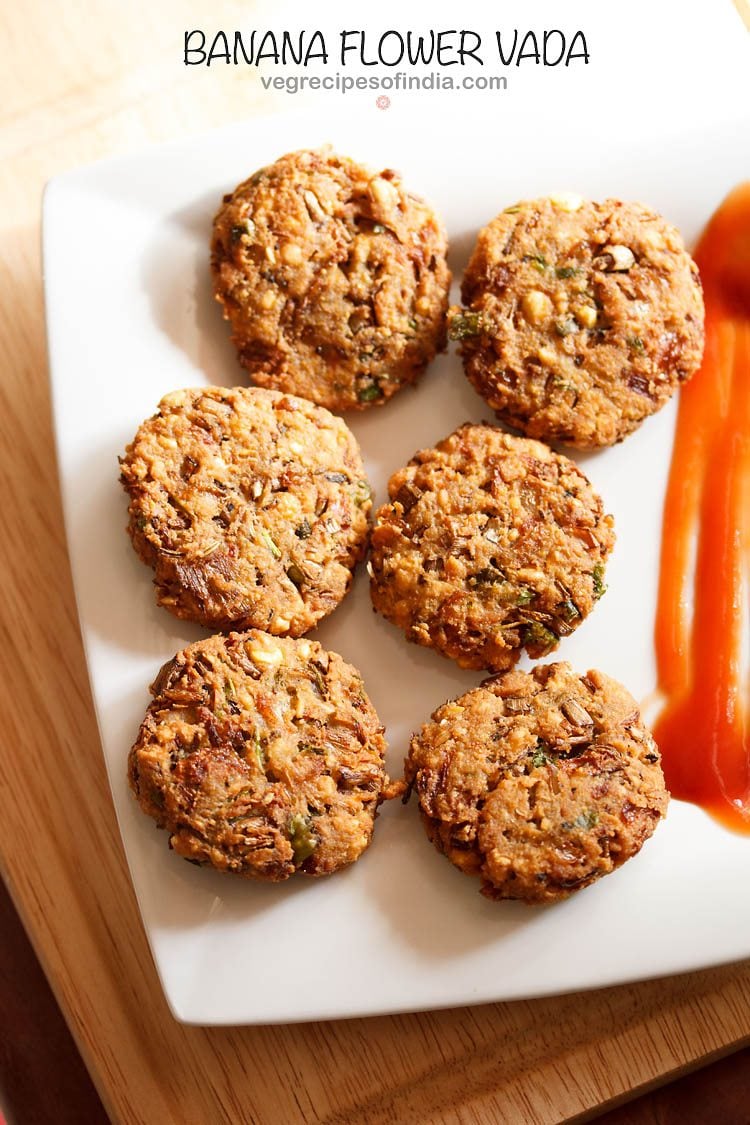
(702, 731)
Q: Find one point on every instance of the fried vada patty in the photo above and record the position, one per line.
(489, 544)
(252, 507)
(539, 783)
(579, 319)
(333, 277)
(261, 756)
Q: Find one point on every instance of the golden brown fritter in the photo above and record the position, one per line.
(333, 278)
(580, 318)
(490, 544)
(251, 506)
(538, 782)
(261, 756)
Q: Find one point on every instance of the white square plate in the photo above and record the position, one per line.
(131, 316)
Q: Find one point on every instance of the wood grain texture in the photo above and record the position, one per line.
(92, 81)
(42, 1077)
(718, 1092)
(743, 7)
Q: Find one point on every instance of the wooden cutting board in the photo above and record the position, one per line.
(72, 90)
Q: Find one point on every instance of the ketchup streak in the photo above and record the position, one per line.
(702, 731)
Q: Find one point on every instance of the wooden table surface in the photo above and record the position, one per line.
(77, 84)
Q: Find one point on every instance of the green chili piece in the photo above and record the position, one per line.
(296, 575)
(598, 575)
(369, 393)
(301, 838)
(536, 636)
(273, 548)
(465, 325)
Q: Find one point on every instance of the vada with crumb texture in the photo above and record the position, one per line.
(579, 319)
(333, 278)
(261, 756)
(490, 544)
(538, 782)
(252, 507)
